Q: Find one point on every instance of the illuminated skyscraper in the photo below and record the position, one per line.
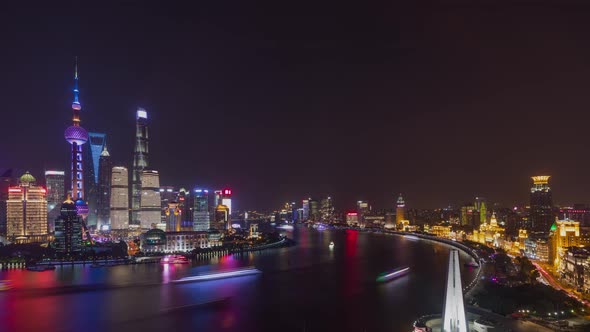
(362, 209)
(314, 210)
(305, 210)
(27, 211)
(77, 136)
(103, 206)
(226, 199)
(218, 197)
(167, 194)
(140, 162)
(222, 221)
(400, 210)
(201, 217)
(91, 153)
(68, 229)
(56, 191)
(173, 217)
(327, 209)
(541, 204)
(119, 198)
(150, 213)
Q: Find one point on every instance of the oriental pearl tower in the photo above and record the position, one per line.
(77, 136)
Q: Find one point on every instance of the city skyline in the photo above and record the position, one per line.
(363, 126)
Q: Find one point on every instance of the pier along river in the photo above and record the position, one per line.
(306, 287)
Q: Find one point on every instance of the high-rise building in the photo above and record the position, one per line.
(222, 221)
(140, 162)
(400, 210)
(362, 209)
(68, 229)
(103, 208)
(119, 198)
(226, 199)
(541, 214)
(218, 195)
(173, 217)
(186, 206)
(201, 217)
(6, 180)
(327, 209)
(27, 211)
(150, 213)
(314, 210)
(56, 191)
(91, 153)
(77, 136)
(305, 210)
(167, 194)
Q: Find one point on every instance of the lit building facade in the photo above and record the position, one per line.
(226, 199)
(91, 152)
(103, 204)
(119, 206)
(201, 216)
(541, 213)
(314, 210)
(27, 211)
(400, 210)
(150, 199)
(173, 217)
(222, 221)
(305, 210)
(490, 234)
(56, 188)
(140, 162)
(55, 182)
(352, 218)
(156, 240)
(363, 209)
(327, 209)
(167, 194)
(68, 229)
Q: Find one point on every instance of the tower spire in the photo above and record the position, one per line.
(76, 104)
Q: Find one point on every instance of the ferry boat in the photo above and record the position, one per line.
(174, 259)
(40, 268)
(393, 274)
(331, 245)
(220, 275)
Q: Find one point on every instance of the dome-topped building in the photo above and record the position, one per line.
(27, 178)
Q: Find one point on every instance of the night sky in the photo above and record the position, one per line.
(442, 100)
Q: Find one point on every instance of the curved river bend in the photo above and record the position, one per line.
(305, 287)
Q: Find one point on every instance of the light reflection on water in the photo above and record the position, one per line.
(307, 284)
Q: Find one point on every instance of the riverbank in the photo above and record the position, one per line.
(209, 253)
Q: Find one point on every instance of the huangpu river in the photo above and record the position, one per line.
(306, 287)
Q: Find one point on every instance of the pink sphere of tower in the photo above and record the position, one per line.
(76, 134)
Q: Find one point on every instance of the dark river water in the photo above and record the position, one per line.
(307, 287)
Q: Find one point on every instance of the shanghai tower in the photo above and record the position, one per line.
(77, 136)
(140, 162)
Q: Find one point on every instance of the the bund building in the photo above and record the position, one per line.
(541, 214)
(26, 211)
